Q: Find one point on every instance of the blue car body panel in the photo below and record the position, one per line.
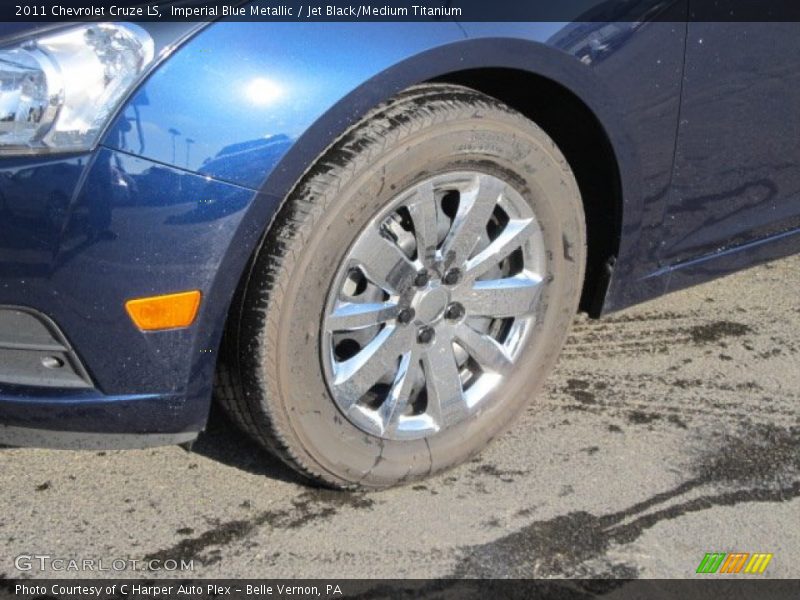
(737, 174)
(192, 169)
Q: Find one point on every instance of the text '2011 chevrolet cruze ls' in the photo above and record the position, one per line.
(366, 240)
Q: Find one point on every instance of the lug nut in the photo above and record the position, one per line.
(405, 316)
(422, 278)
(452, 277)
(425, 335)
(454, 311)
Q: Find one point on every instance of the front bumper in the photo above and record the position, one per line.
(78, 237)
(88, 421)
(43, 383)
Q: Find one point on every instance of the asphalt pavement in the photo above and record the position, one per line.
(667, 431)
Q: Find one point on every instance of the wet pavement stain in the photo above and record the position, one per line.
(677, 421)
(506, 476)
(638, 417)
(648, 398)
(649, 333)
(760, 464)
(307, 507)
(578, 389)
(714, 332)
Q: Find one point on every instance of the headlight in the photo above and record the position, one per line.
(57, 91)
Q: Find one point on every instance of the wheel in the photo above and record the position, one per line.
(412, 294)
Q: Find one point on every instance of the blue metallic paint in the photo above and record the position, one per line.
(737, 174)
(195, 165)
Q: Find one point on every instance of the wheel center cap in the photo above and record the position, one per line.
(429, 304)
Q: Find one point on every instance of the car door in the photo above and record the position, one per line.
(737, 161)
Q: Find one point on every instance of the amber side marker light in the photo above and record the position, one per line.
(169, 311)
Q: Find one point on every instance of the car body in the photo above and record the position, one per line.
(688, 172)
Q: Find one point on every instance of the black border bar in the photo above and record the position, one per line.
(631, 11)
(703, 587)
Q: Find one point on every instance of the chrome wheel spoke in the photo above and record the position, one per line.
(354, 377)
(423, 213)
(382, 261)
(400, 393)
(446, 403)
(500, 298)
(349, 316)
(486, 351)
(515, 233)
(475, 209)
(417, 335)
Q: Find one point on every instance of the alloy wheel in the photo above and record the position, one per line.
(432, 305)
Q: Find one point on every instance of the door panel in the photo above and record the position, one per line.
(737, 163)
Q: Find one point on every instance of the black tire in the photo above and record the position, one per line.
(270, 379)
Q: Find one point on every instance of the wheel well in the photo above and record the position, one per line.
(579, 135)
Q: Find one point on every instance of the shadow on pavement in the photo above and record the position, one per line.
(222, 441)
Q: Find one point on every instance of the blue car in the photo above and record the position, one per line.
(366, 241)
